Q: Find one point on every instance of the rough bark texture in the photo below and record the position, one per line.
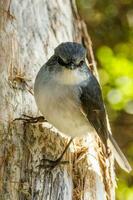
(29, 31)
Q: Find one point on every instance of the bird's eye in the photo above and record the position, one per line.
(61, 62)
(81, 63)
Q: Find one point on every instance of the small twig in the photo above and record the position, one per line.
(88, 44)
(29, 88)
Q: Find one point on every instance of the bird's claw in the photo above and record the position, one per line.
(30, 119)
(51, 164)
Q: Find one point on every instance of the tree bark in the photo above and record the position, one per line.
(29, 32)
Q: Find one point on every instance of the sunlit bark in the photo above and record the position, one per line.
(29, 32)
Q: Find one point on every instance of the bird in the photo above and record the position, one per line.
(70, 97)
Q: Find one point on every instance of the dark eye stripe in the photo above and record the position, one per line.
(81, 63)
(60, 61)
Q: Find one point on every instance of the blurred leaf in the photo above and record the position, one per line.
(117, 73)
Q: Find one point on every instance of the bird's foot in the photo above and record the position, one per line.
(51, 164)
(30, 119)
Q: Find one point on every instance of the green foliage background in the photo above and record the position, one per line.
(110, 25)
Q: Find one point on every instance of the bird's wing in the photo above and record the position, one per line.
(93, 106)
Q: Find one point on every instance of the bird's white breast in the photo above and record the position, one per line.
(71, 77)
(60, 105)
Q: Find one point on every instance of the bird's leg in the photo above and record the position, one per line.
(46, 163)
(30, 119)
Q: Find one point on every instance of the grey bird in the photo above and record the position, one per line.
(70, 98)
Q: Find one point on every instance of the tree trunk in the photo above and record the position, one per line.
(29, 32)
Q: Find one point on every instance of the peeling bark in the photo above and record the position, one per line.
(29, 31)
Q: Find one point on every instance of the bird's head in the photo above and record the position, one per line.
(70, 55)
(70, 63)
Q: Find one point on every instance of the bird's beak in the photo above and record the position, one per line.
(72, 66)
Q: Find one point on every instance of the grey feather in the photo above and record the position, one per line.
(119, 156)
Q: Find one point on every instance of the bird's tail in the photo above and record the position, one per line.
(119, 156)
